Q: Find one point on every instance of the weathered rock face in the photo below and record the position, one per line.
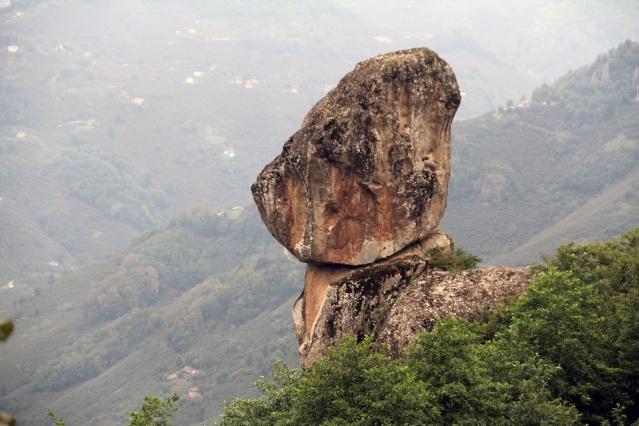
(395, 302)
(367, 174)
(358, 192)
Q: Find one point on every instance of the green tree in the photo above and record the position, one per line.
(455, 367)
(355, 385)
(154, 411)
(559, 318)
(273, 408)
(609, 275)
(352, 385)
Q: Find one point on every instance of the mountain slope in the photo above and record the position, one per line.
(610, 213)
(212, 291)
(520, 170)
(103, 138)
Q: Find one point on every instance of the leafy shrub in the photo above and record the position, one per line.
(453, 260)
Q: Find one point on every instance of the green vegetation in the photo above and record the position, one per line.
(101, 138)
(563, 353)
(598, 91)
(6, 328)
(107, 187)
(455, 259)
(351, 385)
(55, 419)
(154, 411)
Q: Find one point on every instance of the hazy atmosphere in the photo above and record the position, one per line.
(131, 132)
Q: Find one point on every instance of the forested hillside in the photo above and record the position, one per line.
(559, 167)
(115, 115)
(211, 291)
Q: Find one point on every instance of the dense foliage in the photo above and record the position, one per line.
(563, 353)
(6, 328)
(153, 412)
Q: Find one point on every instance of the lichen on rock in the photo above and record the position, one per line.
(338, 300)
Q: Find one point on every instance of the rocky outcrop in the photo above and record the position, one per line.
(397, 301)
(367, 174)
(358, 193)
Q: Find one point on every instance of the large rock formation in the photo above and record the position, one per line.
(358, 192)
(367, 174)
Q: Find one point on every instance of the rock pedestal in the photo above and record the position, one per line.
(358, 193)
(398, 301)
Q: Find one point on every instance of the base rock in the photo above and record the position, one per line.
(394, 301)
